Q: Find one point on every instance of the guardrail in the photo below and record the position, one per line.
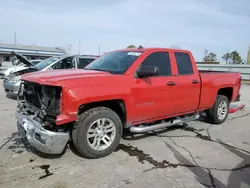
(244, 70)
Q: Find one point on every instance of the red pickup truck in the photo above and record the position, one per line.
(140, 89)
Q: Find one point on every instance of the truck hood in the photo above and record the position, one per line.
(61, 77)
(23, 59)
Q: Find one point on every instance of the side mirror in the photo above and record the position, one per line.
(146, 71)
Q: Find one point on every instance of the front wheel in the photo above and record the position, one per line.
(219, 112)
(98, 132)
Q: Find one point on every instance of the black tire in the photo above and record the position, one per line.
(212, 114)
(79, 132)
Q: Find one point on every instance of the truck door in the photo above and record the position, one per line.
(83, 62)
(188, 83)
(155, 96)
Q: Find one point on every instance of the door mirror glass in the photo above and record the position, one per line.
(146, 71)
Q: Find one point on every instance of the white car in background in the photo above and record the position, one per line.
(19, 66)
(12, 82)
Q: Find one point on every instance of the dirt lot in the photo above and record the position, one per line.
(200, 155)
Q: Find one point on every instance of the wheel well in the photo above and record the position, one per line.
(116, 105)
(227, 91)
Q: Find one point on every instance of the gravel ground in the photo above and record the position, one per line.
(199, 155)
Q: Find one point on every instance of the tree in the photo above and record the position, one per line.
(205, 52)
(226, 57)
(211, 57)
(235, 57)
(131, 46)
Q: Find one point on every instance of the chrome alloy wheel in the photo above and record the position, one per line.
(222, 110)
(101, 134)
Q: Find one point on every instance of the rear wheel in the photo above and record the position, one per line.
(98, 132)
(219, 112)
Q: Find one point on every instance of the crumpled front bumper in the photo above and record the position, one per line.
(38, 137)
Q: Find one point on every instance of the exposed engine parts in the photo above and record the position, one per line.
(41, 101)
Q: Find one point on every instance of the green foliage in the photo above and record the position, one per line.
(226, 57)
(131, 46)
(235, 57)
(232, 57)
(211, 57)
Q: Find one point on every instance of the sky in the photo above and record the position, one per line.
(218, 26)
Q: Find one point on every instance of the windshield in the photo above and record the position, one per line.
(46, 62)
(20, 63)
(35, 62)
(114, 62)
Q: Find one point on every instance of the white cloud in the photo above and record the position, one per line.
(218, 26)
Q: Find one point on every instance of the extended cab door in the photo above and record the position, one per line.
(188, 82)
(83, 62)
(155, 96)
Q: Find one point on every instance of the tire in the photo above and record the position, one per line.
(87, 123)
(213, 114)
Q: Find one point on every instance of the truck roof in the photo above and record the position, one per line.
(152, 49)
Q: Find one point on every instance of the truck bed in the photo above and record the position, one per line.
(212, 72)
(217, 79)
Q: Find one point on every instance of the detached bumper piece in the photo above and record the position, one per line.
(40, 138)
(235, 107)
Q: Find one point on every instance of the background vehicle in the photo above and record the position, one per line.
(2, 72)
(20, 66)
(139, 89)
(12, 82)
(5, 71)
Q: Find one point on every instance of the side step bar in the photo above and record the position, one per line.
(143, 129)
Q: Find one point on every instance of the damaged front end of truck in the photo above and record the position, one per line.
(37, 110)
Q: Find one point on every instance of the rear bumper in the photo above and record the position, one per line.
(38, 137)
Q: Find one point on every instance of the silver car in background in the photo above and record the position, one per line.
(12, 82)
(17, 67)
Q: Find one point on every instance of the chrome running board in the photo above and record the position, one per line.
(143, 129)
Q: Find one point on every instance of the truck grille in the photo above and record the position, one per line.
(32, 94)
(43, 97)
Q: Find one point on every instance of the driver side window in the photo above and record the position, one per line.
(66, 63)
(160, 60)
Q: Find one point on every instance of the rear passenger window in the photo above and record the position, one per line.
(83, 62)
(183, 63)
(160, 60)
